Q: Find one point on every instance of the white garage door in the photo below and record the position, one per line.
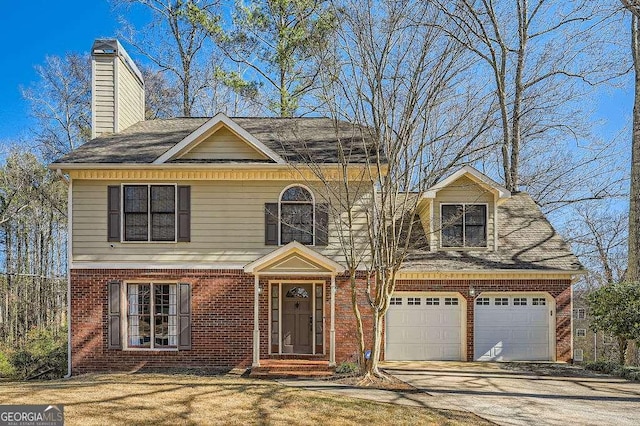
(424, 327)
(511, 327)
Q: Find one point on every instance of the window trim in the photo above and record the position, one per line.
(175, 214)
(581, 314)
(313, 213)
(124, 308)
(464, 230)
(581, 332)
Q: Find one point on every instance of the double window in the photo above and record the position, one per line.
(149, 315)
(152, 317)
(464, 225)
(149, 212)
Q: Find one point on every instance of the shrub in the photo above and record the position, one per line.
(629, 373)
(347, 368)
(44, 355)
(6, 368)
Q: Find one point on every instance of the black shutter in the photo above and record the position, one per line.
(113, 213)
(184, 316)
(322, 224)
(114, 338)
(184, 213)
(271, 224)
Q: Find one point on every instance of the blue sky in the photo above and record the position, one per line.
(31, 30)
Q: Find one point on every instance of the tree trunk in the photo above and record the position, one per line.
(358, 316)
(622, 349)
(634, 190)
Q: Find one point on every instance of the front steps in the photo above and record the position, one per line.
(292, 368)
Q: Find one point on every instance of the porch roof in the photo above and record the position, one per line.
(294, 258)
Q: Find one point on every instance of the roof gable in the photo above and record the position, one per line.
(475, 176)
(294, 258)
(203, 134)
(222, 144)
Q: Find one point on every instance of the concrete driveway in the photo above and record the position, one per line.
(517, 397)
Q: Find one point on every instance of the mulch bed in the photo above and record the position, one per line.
(390, 383)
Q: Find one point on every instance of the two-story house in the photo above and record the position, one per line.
(206, 242)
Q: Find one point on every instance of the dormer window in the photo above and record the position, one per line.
(296, 216)
(464, 225)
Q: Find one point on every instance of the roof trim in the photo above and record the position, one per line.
(220, 118)
(293, 247)
(476, 176)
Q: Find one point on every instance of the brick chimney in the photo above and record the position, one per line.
(117, 89)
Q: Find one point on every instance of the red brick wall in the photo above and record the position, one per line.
(222, 317)
(222, 321)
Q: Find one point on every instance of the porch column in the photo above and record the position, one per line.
(332, 332)
(256, 328)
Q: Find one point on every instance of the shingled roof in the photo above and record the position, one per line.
(296, 140)
(526, 241)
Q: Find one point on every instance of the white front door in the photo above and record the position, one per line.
(513, 327)
(424, 326)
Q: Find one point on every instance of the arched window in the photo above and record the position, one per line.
(296, 216)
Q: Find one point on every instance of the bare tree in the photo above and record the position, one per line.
(403, 84)
(176, 47)
(633, 273)
(542, 57)
(32, 243)
(598, 235)
(60, 103)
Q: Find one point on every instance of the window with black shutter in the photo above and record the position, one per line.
(296, 217)
(149, 212)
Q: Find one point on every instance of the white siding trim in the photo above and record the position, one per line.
(112, 265)
(116, 95)
(93, 97)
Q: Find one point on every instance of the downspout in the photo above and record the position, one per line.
(69, 242)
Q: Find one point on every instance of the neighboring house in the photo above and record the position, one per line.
(588, 345)
(205, 242)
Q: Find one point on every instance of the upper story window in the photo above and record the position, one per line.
(464, 225)
(149, 212)
(296, 216)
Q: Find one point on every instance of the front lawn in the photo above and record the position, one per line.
(186, 399)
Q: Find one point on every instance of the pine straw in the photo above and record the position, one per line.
(119, 399)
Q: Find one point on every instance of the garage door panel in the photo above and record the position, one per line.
(512, 332)
(429, 331)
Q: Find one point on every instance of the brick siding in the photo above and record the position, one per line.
(222, 317)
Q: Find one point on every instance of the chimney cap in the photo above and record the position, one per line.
(112, 47)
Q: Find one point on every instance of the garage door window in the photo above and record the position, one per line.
(396, 301)
(482, 301)
(451, 301)
(501, 301)
(538, 301)
(413, 301)
(520, 301)
(432, 301)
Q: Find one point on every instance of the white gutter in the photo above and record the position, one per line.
(193, 166)
(69, 253)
